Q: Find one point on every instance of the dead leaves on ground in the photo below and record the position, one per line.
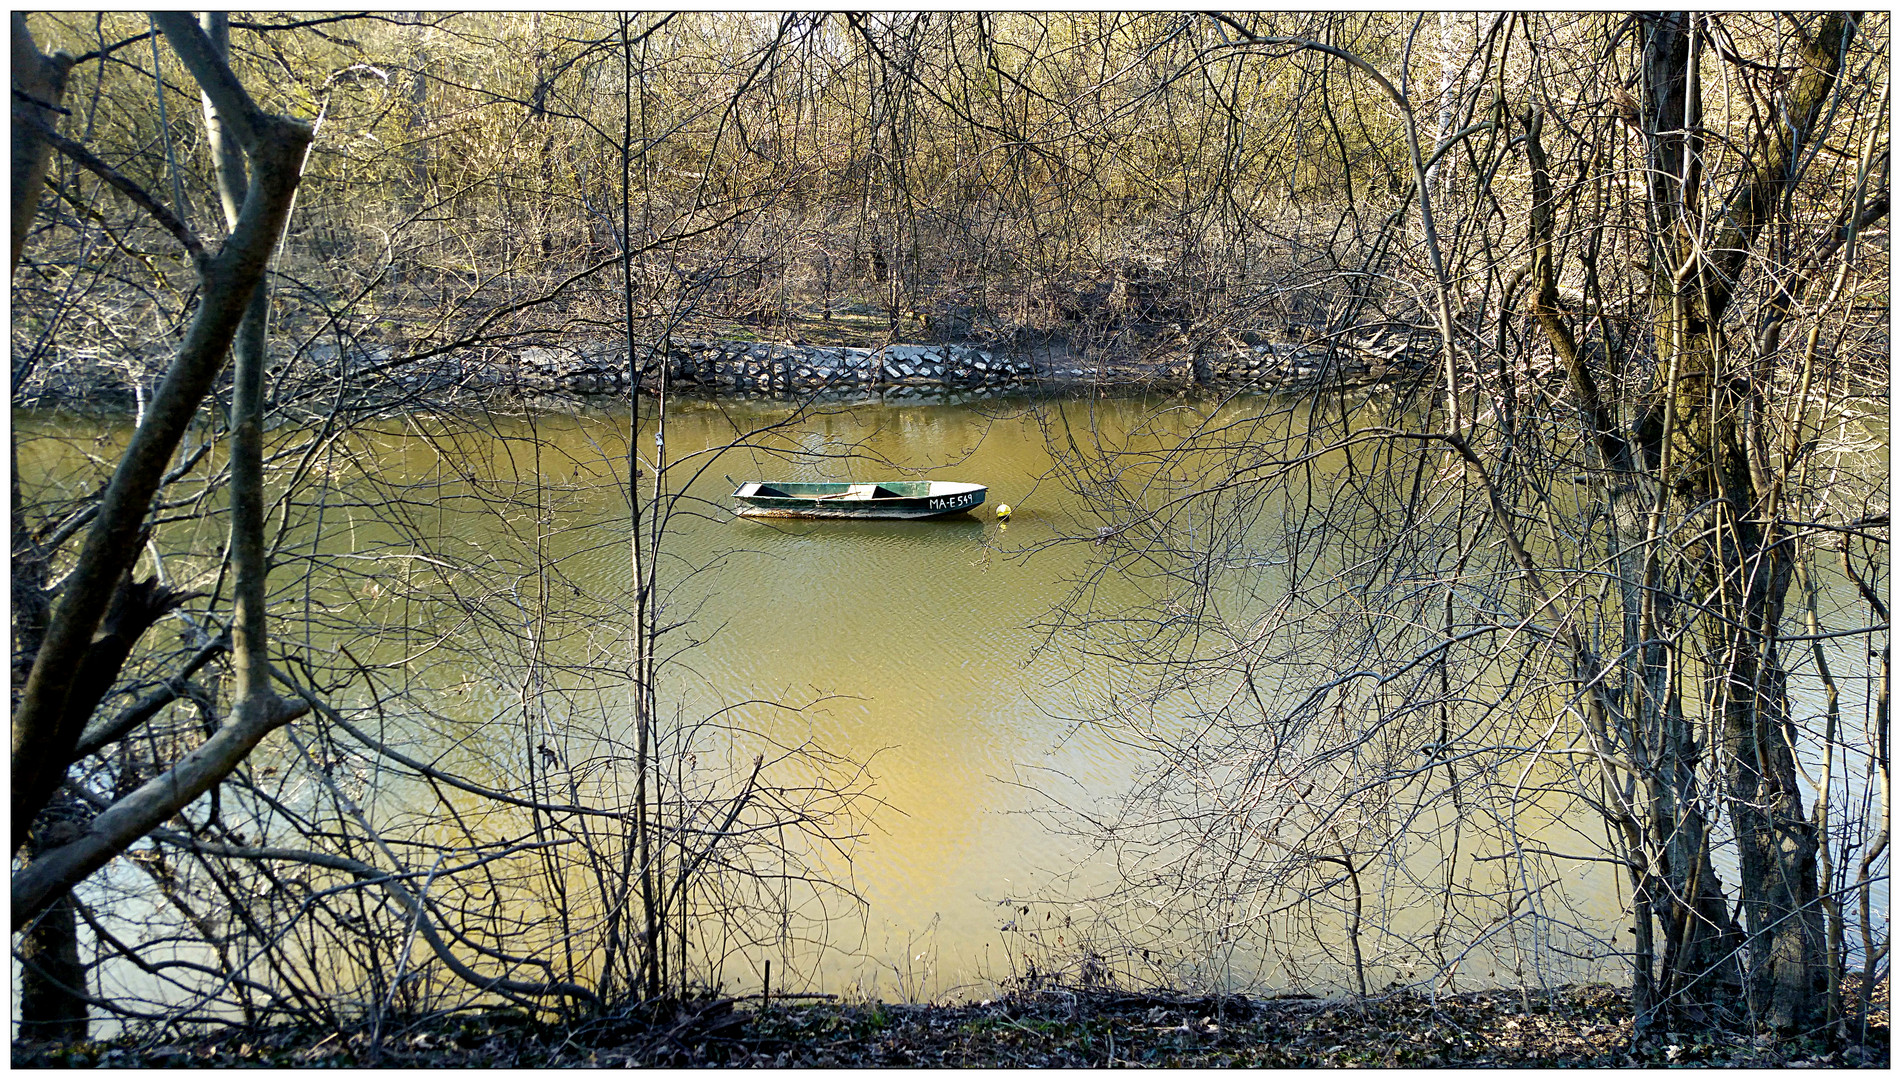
(1570, 1027)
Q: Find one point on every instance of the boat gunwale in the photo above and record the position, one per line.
(861, 499)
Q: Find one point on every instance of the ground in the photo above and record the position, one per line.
(1585, 1026)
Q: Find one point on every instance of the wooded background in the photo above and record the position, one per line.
(1652, 251)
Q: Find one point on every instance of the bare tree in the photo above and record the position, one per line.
(649, 861)
(1436, 563)
(1614, 272)
(46, 724)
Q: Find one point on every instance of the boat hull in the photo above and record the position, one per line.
(891, 500)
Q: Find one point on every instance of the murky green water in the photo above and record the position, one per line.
(913, 648)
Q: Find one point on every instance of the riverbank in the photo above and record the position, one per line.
(592, 365)
(794, 367)
(1572, 1027)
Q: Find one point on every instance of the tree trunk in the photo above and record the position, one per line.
(52, 978)
(46, 726)
(42, 79)
(1740, 570)
(249, 644)
(1667, 851)
(50, 970)
(50, 973)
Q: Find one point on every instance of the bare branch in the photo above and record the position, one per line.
(169, 221)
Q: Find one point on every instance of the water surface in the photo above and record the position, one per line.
(484, 563)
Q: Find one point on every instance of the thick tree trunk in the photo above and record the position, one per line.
(52, 977)
(1740, 570)
(1667, 852)
(40, 740)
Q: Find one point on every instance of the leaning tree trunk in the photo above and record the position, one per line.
(50, 715)
(39, 84)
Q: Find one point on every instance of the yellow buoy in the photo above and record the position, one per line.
(1003, 511)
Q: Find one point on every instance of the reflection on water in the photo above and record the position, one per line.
(913, 646)
(919, 636)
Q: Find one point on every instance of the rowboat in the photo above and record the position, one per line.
(885, 499)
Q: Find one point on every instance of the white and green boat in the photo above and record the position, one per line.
(897, 500)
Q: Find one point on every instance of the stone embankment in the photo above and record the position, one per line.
(599, 366)
(1363, 355)
(775, 368)
(762, 367)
